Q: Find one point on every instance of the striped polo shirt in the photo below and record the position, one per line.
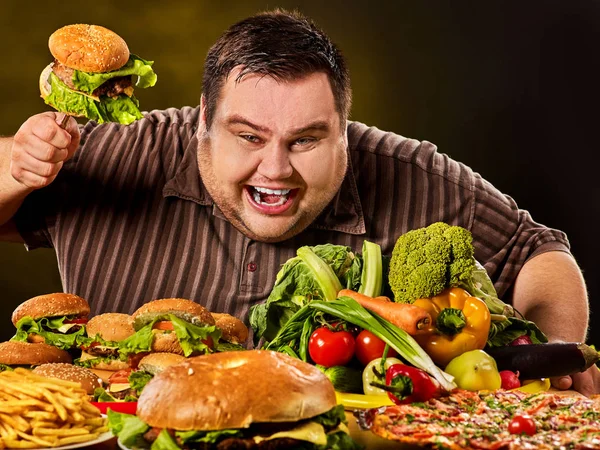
(131, 221)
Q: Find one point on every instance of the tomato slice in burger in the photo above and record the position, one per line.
(122, 407)
(165, 325)
(120, 377)
(78, 320)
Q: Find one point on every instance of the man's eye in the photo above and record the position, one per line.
(250, 138)
(305, 141)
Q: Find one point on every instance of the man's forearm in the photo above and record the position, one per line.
(12, 193)
(551, 292)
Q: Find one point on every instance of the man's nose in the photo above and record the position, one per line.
(275, 163)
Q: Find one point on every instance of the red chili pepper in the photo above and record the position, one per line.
(408, 384)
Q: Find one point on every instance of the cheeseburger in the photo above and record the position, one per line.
(57, 319)
(172, 325)
(68, 372)
(24, 354)
(218, 401)
(101, 349)
(126, 385)
(93, 75)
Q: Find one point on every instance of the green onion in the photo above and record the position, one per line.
(371, 278)
(350, 310)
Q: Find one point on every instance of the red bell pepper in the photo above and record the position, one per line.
(406, 384)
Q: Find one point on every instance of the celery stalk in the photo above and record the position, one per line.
(326, 278)
(371, 278)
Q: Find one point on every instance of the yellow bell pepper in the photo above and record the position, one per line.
(459, 323)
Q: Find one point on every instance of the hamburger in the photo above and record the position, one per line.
(127, 384)
(93, 75)
(233, 332)
(100, 352)
(24, 354)
(57, 319)
(68, 372)
(172, 325)
(217, 401)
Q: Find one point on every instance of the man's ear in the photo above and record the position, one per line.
(202, 111)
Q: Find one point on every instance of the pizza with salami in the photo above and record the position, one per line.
(492, 420)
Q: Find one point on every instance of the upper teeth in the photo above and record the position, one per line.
(272, 191)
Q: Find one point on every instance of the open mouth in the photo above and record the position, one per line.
(273, 200)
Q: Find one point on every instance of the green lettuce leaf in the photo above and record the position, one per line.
(89, 82)
(190, 337)
(4, 368)
(296, 285)
(340, 441)
(27, 326)
(129, 428)
(209, 437)
(122, 109)
(138, 380)
(331, 418)
(164, 441)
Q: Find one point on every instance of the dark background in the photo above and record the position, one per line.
(507, 87)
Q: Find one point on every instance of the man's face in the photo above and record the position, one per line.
(275, 155)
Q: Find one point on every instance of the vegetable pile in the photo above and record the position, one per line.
(327, 308)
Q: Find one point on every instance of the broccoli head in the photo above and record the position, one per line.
(427, 260)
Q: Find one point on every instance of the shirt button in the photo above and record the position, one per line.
(251, 267)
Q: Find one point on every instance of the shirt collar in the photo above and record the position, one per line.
(344, 213)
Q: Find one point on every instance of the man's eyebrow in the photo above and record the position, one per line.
(240, 120)
(318, 125)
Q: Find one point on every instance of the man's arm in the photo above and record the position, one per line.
(31, 160)
(550, 290)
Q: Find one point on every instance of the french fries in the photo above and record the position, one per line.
(36, 411)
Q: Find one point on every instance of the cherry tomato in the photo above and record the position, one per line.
(120, 376)
(370, 347)
(331, 348)
(522, 424)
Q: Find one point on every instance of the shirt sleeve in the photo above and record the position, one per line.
(506, 237)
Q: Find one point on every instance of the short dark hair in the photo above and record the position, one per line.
(281, 44)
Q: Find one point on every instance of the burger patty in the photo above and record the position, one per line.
(233, 443)
(111, 88)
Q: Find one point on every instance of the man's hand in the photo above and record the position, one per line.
(40, 148)
(588, 382)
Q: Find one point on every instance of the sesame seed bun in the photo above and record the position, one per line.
(233, 390)
(68, 372)
(51, 305)
(156, 362)
(232, 329)
(180, 307)
(16, 353)
(89, 48)
(111, 326)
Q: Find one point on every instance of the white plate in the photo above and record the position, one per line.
(102, 438)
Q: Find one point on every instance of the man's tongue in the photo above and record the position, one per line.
(270, 198)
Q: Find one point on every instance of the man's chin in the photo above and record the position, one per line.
(271, 228)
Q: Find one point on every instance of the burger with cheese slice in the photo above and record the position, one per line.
(253, 399)
(57, 319)
(100, 352)
(93, 75)
(127, 384)
(172, 325)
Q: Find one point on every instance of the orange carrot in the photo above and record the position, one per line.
(410, 318)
